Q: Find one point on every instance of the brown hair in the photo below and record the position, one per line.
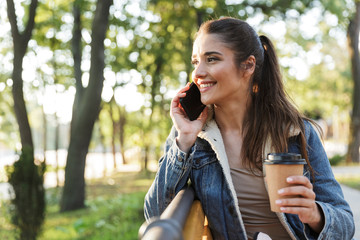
(271, 114)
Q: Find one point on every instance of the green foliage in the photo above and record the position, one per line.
(350, 181)
(117, 218)
(114, 211)
(28, 204)
(336, 160)
(7, 230)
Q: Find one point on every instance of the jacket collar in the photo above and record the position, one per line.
(211, 133)
(211, 128)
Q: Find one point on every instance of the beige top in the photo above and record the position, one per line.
(255, 206)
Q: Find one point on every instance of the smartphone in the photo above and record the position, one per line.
(191, 103)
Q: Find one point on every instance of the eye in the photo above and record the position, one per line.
(212, 59)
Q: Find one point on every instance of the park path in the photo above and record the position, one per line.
(352, 196)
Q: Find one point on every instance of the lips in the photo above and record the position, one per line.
(206, 85)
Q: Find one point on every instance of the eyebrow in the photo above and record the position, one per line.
(211, 53)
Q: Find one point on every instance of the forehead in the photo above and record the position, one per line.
(209, 43)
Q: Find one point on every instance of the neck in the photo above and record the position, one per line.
(230, 117)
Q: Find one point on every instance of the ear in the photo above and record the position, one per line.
(249, 66)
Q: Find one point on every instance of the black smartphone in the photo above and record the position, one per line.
(191, 103)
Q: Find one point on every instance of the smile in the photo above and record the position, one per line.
(206, 85)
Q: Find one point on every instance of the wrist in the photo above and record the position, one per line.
(318, 224)
(185, 142)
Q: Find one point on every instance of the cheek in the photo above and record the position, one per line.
(193, 77)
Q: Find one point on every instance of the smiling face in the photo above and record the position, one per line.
(220, 81)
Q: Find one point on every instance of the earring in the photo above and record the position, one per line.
(255, 88)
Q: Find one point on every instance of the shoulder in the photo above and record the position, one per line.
(311, 129)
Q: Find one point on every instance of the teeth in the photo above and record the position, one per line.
(207, 85)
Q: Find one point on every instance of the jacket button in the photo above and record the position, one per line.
(197, 161)
(180, 159)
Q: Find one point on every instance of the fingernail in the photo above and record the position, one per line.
(278, 201)
(282, 209)
(280, 191)
(289, 179)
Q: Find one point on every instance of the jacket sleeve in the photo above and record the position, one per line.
(171, 177)
(339, 222)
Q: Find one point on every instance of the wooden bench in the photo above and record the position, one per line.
(196, 225)
(183, 219)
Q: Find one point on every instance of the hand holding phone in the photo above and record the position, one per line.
(191, 103)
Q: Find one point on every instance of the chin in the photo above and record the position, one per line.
(206, 101)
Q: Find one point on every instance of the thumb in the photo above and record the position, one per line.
(204, 114)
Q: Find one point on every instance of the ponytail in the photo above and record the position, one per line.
(280, 114)
(271, 81)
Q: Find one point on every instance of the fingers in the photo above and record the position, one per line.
(305, 214)
(301, 187)
(301, 180)
(299, 199)
(306, 209)
(203, 116)
(295, 202)
(175, 102)
(297, 190)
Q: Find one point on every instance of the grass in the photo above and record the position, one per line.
(353, 181)
(114, 211)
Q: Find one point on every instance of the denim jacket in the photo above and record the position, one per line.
(207, 167)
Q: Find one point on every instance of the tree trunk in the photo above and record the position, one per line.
(353, 39)
(57, 131)
(86, 113)
(44, 134)
(146, 157)
(76, 49)
(25, 177)
(159, 61)
(103, 147)
(114, 128)
(20, 41)
(121, 123)
(56, 119)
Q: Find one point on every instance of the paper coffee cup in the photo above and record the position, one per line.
(278, 167)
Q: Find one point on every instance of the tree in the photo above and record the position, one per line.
(86, 108)
(20, 41)
(348, 13)
(25, 177)
(353, 39)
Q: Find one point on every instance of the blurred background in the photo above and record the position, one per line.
(85, 91)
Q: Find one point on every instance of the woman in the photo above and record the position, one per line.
(222, 152)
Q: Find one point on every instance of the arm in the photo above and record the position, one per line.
(175, 165)
(172, 176)
(338, 218)
(321, 208)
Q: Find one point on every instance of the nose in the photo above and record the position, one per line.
(199, 71)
